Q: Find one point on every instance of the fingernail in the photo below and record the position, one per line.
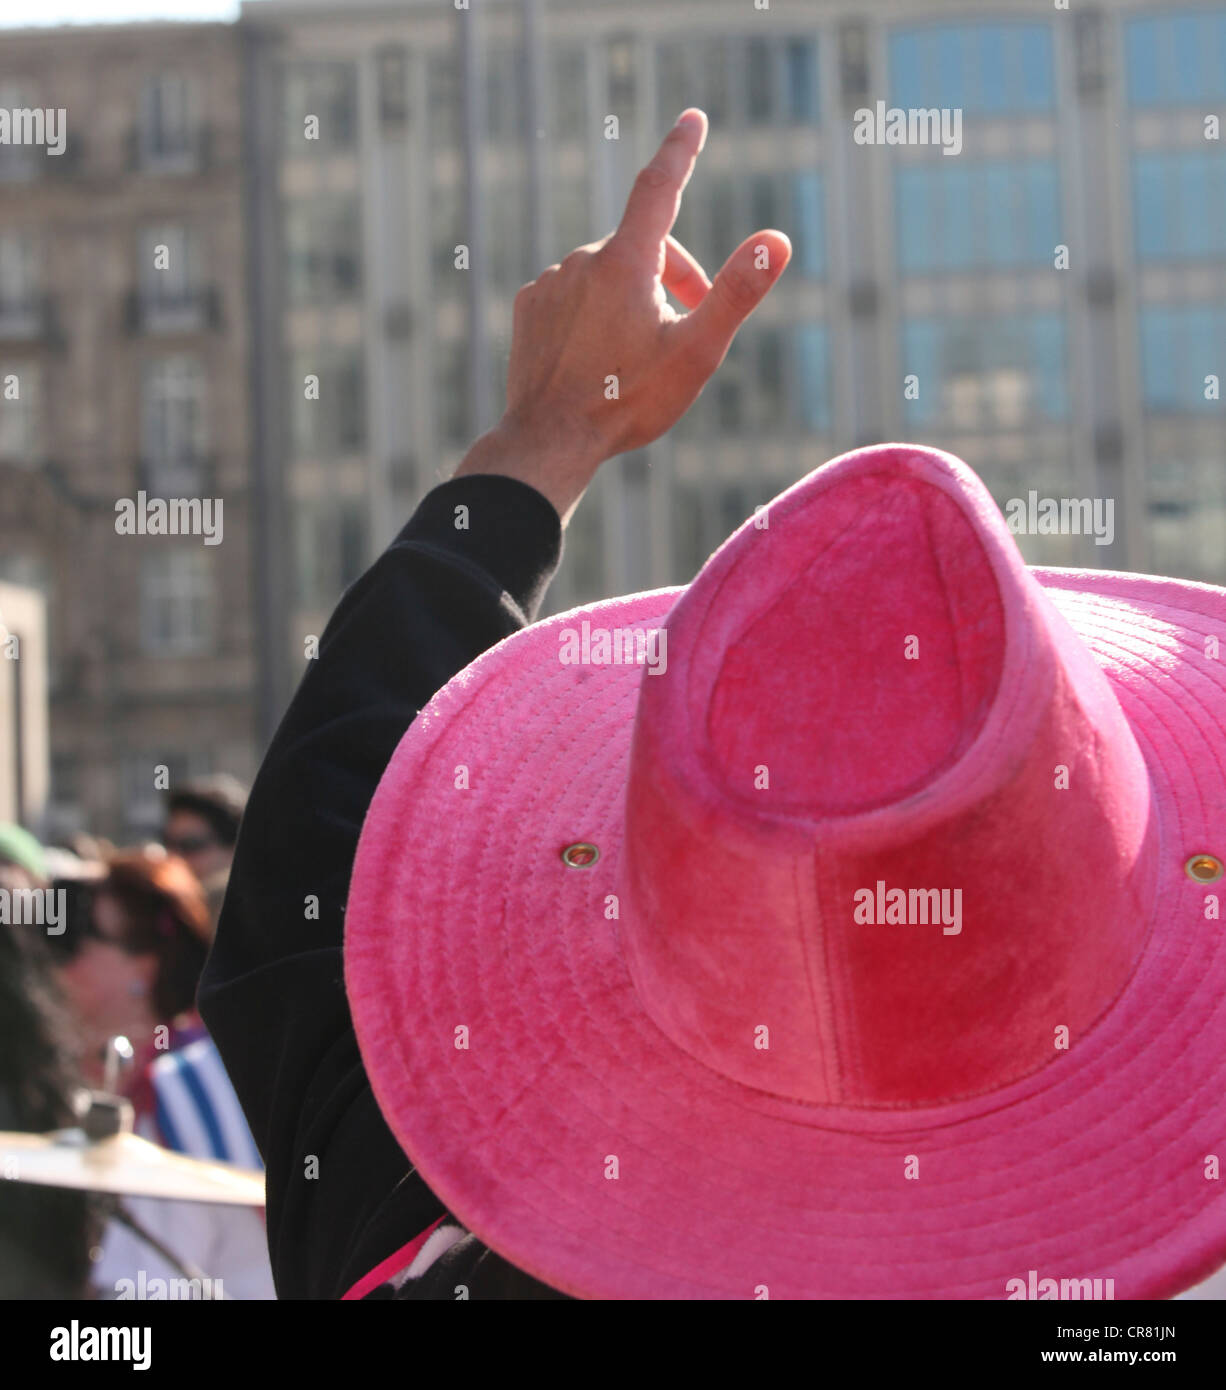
(692, 118)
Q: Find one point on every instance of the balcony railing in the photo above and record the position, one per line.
(184, 475)
(21, 162)
(153, 151)
(69, 164)
(27, 163)
(177, 311)
(29, 319)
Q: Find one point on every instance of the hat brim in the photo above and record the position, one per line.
(511, 1058)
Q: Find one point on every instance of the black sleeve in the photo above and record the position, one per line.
(341, 1194)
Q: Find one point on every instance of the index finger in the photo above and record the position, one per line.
(655, 198)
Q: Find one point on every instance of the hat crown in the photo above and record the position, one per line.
(888, 830)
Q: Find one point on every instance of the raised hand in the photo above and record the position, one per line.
(600, 361)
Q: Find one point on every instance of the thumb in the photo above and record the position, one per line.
(735, 293)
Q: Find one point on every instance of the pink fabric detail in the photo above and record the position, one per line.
(383, 1271)
(935, 771)
(463, 916)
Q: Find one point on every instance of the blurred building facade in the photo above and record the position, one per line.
(123, 352)
(318, 356)
(488, 128)
(25, 759)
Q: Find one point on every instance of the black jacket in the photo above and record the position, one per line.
(342, 1196)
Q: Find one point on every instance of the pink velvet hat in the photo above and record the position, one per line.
(844, 924)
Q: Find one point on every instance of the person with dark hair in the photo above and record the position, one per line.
(147, 936)
(135, 975)
(202, 823)
(46, 1233)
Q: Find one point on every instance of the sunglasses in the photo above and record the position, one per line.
(188, 844)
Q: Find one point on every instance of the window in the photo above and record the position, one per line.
(1180, 346)
(330, 548)
(1187, 509)
(446, 233)
(721, 229)
(692, 72)
(986, 372)
(572, 219)
(751, 389)
(66, 811)
(1179, 205)
(585, 554)
(689, 550)
(335, 424)
(451, 392)
(505, 84)
(323, 250)
(167, 275)
(506, 245)
(748, 394)
(167, 134)
(176, 602)
(674, 90)
(1176, 59)
(763, 200)
(808, 222)
(443, 99)
(732, 507)
(20, 406)
(759, 82)
(986, 68)
(769, 395)
(172, 426)
(811, 397)
(20, 310)
(18, 162)
(393, 86)
(569, 92)
(329, 93)
(952, 215)
(800, 68)
(622, 85)
(727, 389)
(705, 515)
(17, 269)
(996, 398)
(712, 93)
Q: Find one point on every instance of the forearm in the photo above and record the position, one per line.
(467, 570)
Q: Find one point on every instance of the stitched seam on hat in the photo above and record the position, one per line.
(934, 550)
(851, 1052)
(820, 995)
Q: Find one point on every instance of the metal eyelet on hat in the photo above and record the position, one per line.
(580, 856)
(1204, 868)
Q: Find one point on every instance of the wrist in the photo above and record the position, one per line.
(557, 466)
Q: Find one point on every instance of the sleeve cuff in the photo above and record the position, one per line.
(507, 528)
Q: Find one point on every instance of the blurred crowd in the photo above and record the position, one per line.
(98, 993)
(102, 999)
